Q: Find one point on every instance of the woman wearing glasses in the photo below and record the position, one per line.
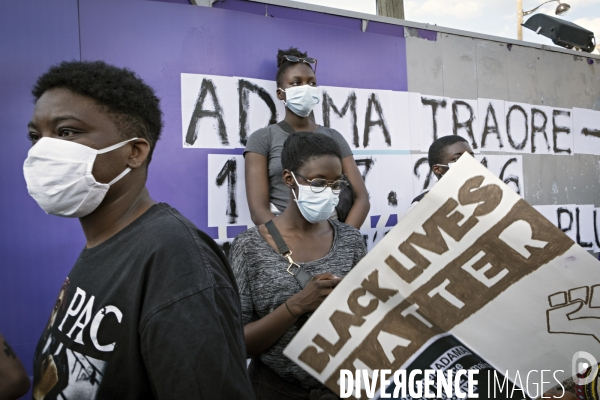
(297, 88)
(287, 267)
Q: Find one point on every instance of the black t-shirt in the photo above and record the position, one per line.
(153, 312)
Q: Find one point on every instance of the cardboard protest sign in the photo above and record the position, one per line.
(471, 270)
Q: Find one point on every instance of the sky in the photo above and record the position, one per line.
(491, 17)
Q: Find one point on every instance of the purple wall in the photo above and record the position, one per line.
(159, 41)
(36, 251)
(279, 12)
(312, 17)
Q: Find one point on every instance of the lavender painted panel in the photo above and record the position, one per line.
(280, 12)
(422, 34)
(427, 34)
(385, 29)
(243, 6)
(174, 1)
(160, 41)
(36, 250)
(309, 16)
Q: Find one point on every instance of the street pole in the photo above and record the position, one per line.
(391, 8)
(519, 19)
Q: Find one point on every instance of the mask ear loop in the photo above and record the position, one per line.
(122, 174)
(114, 146)
(284, 101)
(297, 184)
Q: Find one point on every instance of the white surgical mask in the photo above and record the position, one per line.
(315, 207)
(59, 177)
(301, 99)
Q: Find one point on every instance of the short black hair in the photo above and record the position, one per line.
(133, 105)
(436, 150)
(283, 64)
(302, 147)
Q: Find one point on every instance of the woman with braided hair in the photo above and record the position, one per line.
(266, 193)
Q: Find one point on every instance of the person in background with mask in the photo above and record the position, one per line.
(275, 299)
(443, 152)
(297, 87)
(150, 310)
(14, 381)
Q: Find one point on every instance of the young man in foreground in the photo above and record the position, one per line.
(150, 308)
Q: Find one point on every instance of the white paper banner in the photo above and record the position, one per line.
(221, 112)
(586, 127)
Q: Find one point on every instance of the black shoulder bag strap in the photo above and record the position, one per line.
(294, 269)
(286, 127)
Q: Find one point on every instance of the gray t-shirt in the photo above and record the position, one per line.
(264, 284)
(269, 142)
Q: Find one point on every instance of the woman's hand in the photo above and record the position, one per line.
(262, 334)
(313, 294)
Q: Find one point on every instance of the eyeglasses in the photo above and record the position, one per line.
(317, 185)
(307, 60)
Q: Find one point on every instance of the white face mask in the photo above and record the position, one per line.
(301, 99)
(315, 207)
(59, 177)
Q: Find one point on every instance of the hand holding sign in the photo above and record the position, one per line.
(313, 294)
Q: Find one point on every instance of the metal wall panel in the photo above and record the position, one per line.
(425, 65)
(562, 179)
(492, 70)
(550, 83)
(582, 79)
(460, 66)
(475, 67)
(521, 74)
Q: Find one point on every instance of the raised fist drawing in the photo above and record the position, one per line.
(575, 312)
